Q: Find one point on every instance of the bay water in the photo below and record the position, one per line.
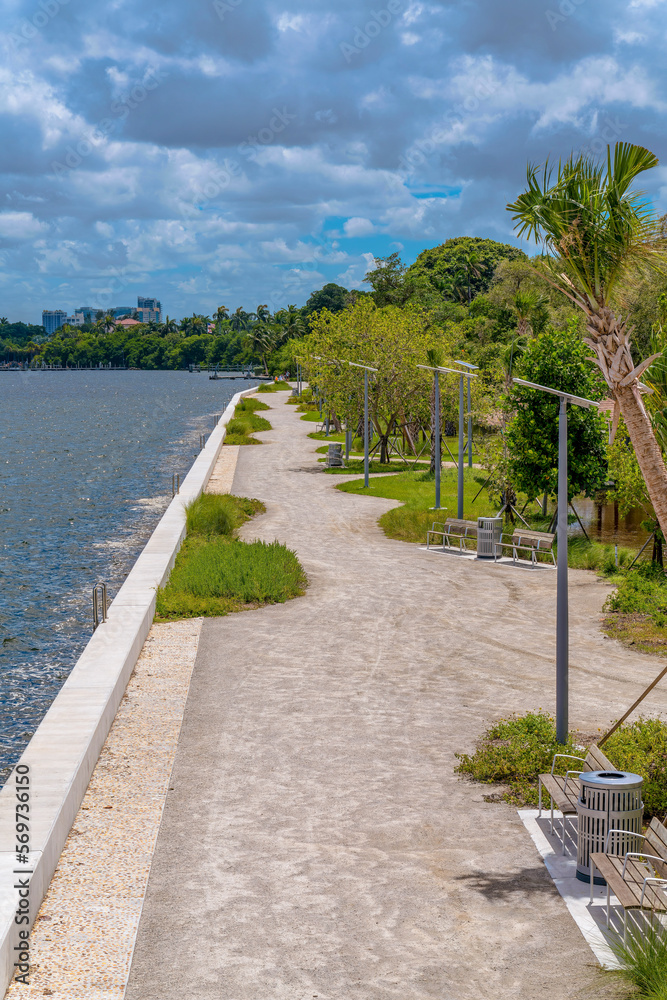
(86, 464)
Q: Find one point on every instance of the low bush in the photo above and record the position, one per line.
(641, 591)
(641, 747)
(513, 752)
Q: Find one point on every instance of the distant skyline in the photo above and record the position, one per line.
(236, 152)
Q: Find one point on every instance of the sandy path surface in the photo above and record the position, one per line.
(317, 842)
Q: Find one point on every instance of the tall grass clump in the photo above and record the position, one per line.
(582, 554)
(219, 513)
(216, 574)
(643, 961)
(245, 422)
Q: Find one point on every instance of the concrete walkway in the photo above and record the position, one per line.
(315, 841)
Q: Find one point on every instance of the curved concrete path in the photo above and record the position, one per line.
(315, 841)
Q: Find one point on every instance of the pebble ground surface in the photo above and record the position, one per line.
(317, 842)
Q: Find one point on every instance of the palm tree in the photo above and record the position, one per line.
(169, 326)
(528, 307)
(596, 233)
(470, 269)
(107, 322)
(221, 313)
(239, 319)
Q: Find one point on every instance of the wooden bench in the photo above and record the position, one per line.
(564, 789)
(639, 878)
(529, 541)
(455, 528)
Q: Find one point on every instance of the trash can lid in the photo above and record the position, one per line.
(611, 779)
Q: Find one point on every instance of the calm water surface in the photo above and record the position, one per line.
(86, 460)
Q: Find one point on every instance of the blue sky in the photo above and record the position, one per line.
(236, 152)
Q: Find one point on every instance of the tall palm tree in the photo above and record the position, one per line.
(169, 326)
(107, 323)
(470, 268)
(239, 319)
(221, 313)
(597, 233)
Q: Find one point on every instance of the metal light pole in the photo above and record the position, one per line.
(438, 462)
(562, 613)
(367, 369)
(459, 504)
(470, 366)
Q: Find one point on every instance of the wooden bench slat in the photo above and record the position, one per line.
(597, 757)
(628, 891)
(565, 800)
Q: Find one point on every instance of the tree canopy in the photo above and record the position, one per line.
(461, 262)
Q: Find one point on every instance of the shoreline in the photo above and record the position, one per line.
(65, 747)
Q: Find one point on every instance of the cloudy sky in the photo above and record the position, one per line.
(236, 152)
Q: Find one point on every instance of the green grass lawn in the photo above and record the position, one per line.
(416, 490)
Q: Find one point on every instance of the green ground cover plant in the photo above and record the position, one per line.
(216, 574)
(245, 422)
(274, 386)
(637, 609)
(513, 752)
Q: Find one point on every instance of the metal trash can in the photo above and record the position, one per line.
(488, 537)
(608, 800)
(335, 455)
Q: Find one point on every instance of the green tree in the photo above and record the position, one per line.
(332, 297)
(464, 261)
(558, 359)
(596, 234)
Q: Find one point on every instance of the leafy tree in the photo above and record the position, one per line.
(558, 359)
(464, 261)
(597, 233)
(332, 297)
(392, 340)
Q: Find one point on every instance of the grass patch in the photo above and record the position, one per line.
(274, 386)
(313, 415)
(637, 609)
(416, 490)
(513, 752)
(245, 422)
(216, 574)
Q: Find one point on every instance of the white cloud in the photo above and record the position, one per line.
(21, 226)
(358, 227)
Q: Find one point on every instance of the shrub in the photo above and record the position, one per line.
(514, 752)
(642, 591)
(641, 747)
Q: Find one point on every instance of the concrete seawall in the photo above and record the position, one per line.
(64, 749)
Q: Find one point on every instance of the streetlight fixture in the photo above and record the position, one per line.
(436, 374)
(562, 624)
(462, 375)
(470, 366)
(367, 369)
